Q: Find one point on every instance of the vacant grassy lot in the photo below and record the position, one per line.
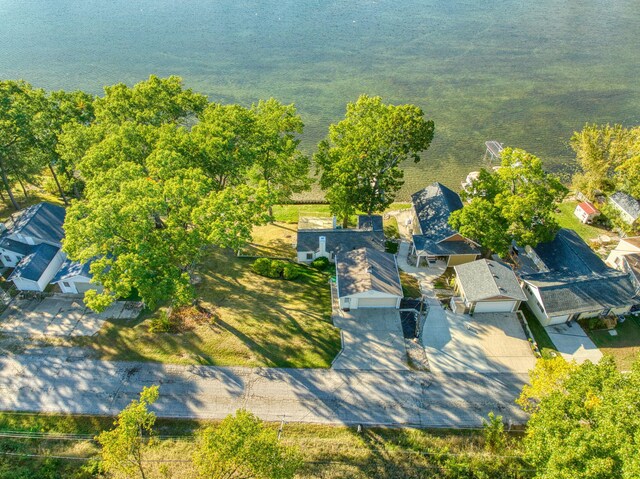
(327, 451)
(258, 322)
(624, 347)
(273, 240)
(291, 213)
(567, 219)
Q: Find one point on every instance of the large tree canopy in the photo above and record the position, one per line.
(608, 159)
(515, 202)
(360, 158)
(585, 421)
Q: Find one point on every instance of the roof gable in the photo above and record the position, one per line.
(569, 254)
(34, 264)
(42, 221)
(487, 279)
(433, 206)
(366, 269)
(72, 269)
(340, 240)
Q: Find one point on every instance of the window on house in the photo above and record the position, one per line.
(66, 285)
(8, 258)
(309, 255)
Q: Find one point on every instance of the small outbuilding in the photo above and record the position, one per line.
(586, 212)
(627, 206)
(367, 278)
(75, 278)
(488, 286)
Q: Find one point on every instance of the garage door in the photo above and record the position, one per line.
(377, 302)
(494, 306)
(84, 287)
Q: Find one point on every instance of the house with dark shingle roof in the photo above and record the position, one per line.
(367, 278)
(626, 205)
(572, 282)
(326, 242)
(434, 239)
(488, 286)
(75, 278)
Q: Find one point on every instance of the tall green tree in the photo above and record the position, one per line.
(587, 424)
(361, 157)
(242, 447)
(600, 150)
(123, 446)
(279, 163)
(516, 202)
(20, 105)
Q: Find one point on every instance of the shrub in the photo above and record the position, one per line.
(391, 247)
(261, 266)
(291, 271)
(276, 269)
(161, 324)
(320, 263)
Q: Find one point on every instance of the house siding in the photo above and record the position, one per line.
(457, 259)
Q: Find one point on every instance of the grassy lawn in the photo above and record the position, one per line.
(545, 344)
(273, 240)
(291, 213)
(624, 347)
(260, 322)
(330, 452)
(567, 219)
(410, 286)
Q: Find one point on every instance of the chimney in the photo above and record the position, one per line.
(323, 244)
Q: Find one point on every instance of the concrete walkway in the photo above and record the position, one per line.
(573, 343)
(425, 276)
(75, 385)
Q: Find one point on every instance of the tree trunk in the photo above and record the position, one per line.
(345, 221)
(24, 190)
(7, 187)
(2, 196)
(55, 177)
(271, 219)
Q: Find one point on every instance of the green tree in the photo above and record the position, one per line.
(360, 158)
(242, 447)
(495, 438)
(600, 150)
(20, 106)
(278, 161)
(587, 424)
(123, 446)
(547, 377)
(516, 202)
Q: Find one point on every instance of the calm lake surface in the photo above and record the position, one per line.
(525, 73)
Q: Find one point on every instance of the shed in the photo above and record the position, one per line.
(627, 206)
(586, 212)
(367, 278)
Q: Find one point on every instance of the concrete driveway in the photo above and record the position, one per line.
(573, 343)
(58, 316)
(484, 343)
(371, 340)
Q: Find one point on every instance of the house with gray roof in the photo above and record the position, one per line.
(434, 239)
(367, 278)
(626, 205)
(487, 286)
(572, 282)
(314, 243)
(75, 278)
(36, 269)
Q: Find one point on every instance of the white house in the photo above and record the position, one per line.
(488, 286)
(586, 212)
(627, 206)
(36, 270)
(572, 282)
(367, 278)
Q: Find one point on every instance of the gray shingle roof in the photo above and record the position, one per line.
(42, 221)
(433, 206)
(340, 240)
(16, 246)
(370, 222)
(569, 254)
(562, 295)
(444, 248)
(485, 279)
(33, 265)
(367, 269)
(626, 203)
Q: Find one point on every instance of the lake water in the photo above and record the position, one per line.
(525, 73)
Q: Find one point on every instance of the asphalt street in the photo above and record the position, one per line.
(64, 384)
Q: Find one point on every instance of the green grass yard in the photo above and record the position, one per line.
(546, 346)
(625, 346)
(567, 219)
(260, 322)
(291, 213)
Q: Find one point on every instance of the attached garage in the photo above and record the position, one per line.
(367, 278)
(496, 306)
(75, 278)
(488, 286)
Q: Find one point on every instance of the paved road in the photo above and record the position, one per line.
(82, 386)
